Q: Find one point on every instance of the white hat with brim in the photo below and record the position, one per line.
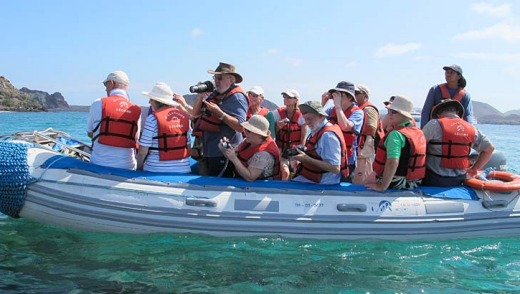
(257, 124)
(161, 92)
(403, 105)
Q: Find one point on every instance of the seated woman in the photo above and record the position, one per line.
(258, 156)
(165, 145)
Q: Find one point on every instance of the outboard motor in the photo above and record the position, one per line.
(497, 160)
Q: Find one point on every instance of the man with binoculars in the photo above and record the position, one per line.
(219, 113)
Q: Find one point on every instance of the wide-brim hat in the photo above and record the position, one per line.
(346, 87)
(437, 109)
(161, 92)
(226, 68)
(403, 105)
(312, 107)
(458, 69)
(257, 124)
(389, 101)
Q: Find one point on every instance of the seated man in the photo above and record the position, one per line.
(401, 156)
(325, 158)
(450, 140)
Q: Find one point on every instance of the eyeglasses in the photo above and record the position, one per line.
(106, 83)
(288, 97)
(359, 92)
(391, 111)
(253, 95)
(219, 77)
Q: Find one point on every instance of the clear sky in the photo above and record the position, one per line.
(394, 47)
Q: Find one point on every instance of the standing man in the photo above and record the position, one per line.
(113, 125)
(372, 126)
(454, 88)
(325, 160)
(347, 115)
(450, 140)
(400, 161)
(221, 114)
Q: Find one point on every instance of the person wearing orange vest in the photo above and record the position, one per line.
(400, 161)
(164, 145)
(454, 88)
(113, 125)
(345, 113)
(256, 97)
(257, 157)
(450, 140)
(220, 114)
(372, 126)
(325, 159)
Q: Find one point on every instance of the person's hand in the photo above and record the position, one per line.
(325, 97)
(471, 172)
(213, 108)
(301, 156)
(336, 97)
(180, 99)
(375, 186)
(281, 123)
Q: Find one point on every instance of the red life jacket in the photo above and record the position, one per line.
(348, 136)
(412, 163)
(457, 138)
(291, 133)
(118, 124)
(263, 112)
(445, 93)
(172, 133)
(313, 173)
(380, 133)
(245, 151)
(211, 123)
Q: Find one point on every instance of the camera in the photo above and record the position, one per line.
(226, 144)
(294, 151)
(207, 86)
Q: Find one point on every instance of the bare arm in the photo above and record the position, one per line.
(483, 158)
(141, 156)
(321, 164)
(389, 172)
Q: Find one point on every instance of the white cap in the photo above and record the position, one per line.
(257, 90)
(292, 93)
(118, 76)
(363, 88)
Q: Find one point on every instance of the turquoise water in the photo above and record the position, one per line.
(40, 259)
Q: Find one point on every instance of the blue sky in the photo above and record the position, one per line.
(394, 47)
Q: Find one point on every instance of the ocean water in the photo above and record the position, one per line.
(35, 258)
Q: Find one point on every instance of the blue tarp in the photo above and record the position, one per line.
(65, 162)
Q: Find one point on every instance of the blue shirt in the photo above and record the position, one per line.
(435, 96)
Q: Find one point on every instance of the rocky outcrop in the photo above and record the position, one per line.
(12, 99)
(54, 101)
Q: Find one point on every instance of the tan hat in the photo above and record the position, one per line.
(118, 76)
(403, 105)
(257, 124)
(363, 88)
(437, 109)
(226, 68)
(312, 107)
(161, 92)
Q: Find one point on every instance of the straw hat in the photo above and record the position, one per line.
(161, 92)
(226, 68)
(403, 105)
(257, 124)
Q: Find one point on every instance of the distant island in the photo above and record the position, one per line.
(25, 99)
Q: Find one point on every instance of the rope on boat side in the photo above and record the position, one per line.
(14, 176)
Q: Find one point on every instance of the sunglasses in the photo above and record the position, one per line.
(391, 111)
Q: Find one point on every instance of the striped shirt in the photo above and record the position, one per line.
(152, 162)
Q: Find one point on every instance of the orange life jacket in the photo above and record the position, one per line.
(211, 123)
(313, 173)
(245, 151)
(263, 112)
(380, 133)
(291, 133)
(118, 124)
(348, 136)
(412, 163)
(172, 133)
(445, 93)
(457, 138)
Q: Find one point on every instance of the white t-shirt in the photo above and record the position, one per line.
(152, 162)
(109, 155)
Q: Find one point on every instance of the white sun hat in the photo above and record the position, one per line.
(161, 92)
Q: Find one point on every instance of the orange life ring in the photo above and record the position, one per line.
(507, 182)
